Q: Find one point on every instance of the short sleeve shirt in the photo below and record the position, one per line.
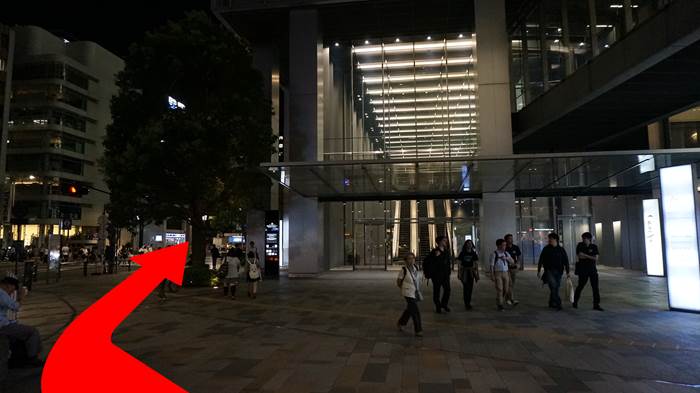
(468, 258)
(591, 250)
(514, 252)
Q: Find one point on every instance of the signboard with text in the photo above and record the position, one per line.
(678, 202)
(652, 234)
(272, 243)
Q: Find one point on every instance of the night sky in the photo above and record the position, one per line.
(114, 24)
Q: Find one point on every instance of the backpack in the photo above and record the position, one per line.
(253, 271)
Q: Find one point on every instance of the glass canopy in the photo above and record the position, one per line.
(569, 174)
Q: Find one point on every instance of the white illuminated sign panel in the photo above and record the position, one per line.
(652, 238)
(681, 239)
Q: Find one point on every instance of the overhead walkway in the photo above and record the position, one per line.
(652, 72)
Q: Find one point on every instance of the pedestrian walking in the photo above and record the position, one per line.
(586, 269)
(555, 262)
(514, 251)
(214, 256)
(232, 263)
(437, 266)
(253, 273)
(468, 271)
(409, 282)
(500, 260)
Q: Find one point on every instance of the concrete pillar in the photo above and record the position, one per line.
(304, 215)
(492, 48)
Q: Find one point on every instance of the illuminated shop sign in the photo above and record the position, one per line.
(652, 238)
(681, 239)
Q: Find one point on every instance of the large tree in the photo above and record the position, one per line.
(199, 158)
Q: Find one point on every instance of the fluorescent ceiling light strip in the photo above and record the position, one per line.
(425, 109)
(417, 46)
(429, 130)
(426, 89)
(410, 78)
(392, 100)
(418, 136)
(389, 126)
(415, 63)
(424, 117)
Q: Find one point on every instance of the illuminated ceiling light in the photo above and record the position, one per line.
(423, 117)
(581, 44)
(390, 91)
(32, 177)
(416, 46)
(393, 101)
(556, 41)
(421, 109)
(430, 38)
(427, 134)
(408, 78)
(606, 46)
(366, 42)
(337, 44)
(425, 124)
(397, 40)
(616, 6)
(461, 36)
(416, 63)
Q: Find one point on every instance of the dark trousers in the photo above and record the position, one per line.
(582, 281)
(25, 335)
(467, 287)
(213, 262)
(445, 285)
(413, 313)
(554, 282)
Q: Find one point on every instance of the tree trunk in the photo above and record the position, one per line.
(198, 245)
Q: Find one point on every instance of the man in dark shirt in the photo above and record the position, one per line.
(587, 253)
(554, 261)
(438, 267)
(514, 252)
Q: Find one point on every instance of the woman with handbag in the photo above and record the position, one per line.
(409, 282)
(468, 272)
(253, 274)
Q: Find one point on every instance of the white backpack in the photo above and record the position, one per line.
(253, 271)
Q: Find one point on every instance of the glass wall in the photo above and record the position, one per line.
(378, 235)
(553, 38)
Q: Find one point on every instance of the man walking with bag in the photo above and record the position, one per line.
(554, 261)
(438, 267)
(514, 252)
(586, 269)
(498, 266)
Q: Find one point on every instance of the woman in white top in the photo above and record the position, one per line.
(254, 274)
(409, 281)
(233, 264)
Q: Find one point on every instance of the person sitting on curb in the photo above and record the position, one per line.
(21, 336)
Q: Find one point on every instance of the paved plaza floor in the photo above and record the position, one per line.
(337, 333)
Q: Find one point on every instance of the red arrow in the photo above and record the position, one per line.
(84, 359)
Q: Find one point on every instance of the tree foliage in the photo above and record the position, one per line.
(193, 161)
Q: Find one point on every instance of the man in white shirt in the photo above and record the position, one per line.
(16, 332)
(498, 266)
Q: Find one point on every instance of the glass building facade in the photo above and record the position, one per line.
(554, 38)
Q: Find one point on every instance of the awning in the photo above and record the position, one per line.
(531, 175)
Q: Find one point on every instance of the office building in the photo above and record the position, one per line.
(400, 121)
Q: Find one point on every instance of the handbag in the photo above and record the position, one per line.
(570, 289)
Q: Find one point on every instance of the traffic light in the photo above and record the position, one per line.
(74, 189)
